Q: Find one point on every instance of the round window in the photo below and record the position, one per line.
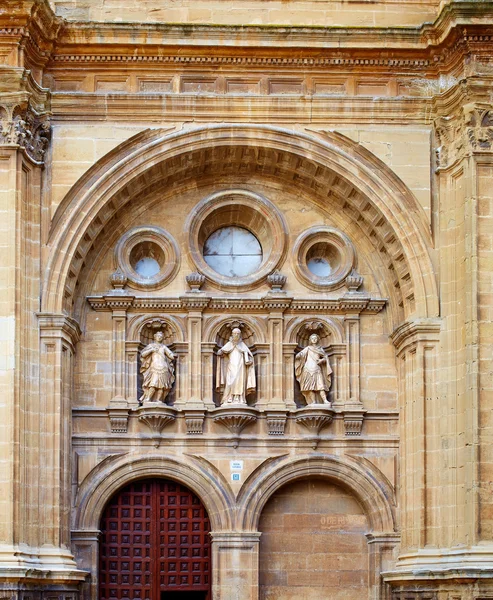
(323, 258)
(146, 259)
(148, 256)
(236, 238)
(233, 252)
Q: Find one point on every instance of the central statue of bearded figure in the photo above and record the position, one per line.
(313, 372)
(235, 376)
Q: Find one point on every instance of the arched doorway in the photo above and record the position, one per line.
(155, 544)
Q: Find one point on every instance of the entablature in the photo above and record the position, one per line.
(361, 304)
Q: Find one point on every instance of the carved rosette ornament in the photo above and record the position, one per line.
(22, 126)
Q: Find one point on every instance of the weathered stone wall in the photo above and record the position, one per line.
(313, 544)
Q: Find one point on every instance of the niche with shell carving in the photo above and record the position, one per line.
(335, 350)
(222, 337)
(147, 333)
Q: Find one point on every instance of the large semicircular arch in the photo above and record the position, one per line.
(113, 474)
(94, 191)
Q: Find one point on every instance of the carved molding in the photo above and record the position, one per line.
(276, 421)
(354, 305)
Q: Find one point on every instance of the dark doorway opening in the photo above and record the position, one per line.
(183, 595)
(155, 544)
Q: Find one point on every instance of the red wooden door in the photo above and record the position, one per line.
(154, 539)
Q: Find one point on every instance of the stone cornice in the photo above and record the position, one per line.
(33, 27)
(454, 15)
(42, 34)
(344, 305)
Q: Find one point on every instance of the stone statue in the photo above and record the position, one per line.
(312, 370)
(157, 369)
(235, 376)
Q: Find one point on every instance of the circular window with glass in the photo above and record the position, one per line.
(324, 257)
(148, 256)
(236, 238)
(233, 252)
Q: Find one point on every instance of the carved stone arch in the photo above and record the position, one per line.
(366, 189)
(369, 486)
(114, 473)
(137, 323)
(294, 327)
(214, 325)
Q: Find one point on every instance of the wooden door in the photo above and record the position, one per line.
(154, 540)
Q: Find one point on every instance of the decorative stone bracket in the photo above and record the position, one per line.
(276, 421)
(315, 418)
(156, 416)
(353, 421)
(235, 418)
(21, 125)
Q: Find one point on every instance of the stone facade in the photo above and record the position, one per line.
(353, 140)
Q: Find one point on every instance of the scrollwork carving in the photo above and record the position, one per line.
(21, 125)
(459, 135)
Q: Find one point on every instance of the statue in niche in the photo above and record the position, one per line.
(157, 370)
(313, 372)
(235, 377)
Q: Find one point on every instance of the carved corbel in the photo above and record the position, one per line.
(22, 126)
(462, 134)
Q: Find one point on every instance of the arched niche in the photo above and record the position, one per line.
(367, 483)
(331, 166)
(332, 339)
(313, 543)
(218, 333)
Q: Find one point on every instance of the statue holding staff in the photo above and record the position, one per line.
(235, 377)
(313, 372)
(157, 369)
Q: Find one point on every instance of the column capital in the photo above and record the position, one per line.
(53, 325)
(411, 332)
(236, 538)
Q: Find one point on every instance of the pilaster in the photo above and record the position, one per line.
(195, 307)
(235, 557)
(118, 408)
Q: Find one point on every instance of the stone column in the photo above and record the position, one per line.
(235, 558)
(289, 377)
(86, 550)
(34, 426)
(58, 337)
(208, 374)
(118, 408)
(276, 307)
(195, 306)
(351, 327)
(422, 496)
(132, 362)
